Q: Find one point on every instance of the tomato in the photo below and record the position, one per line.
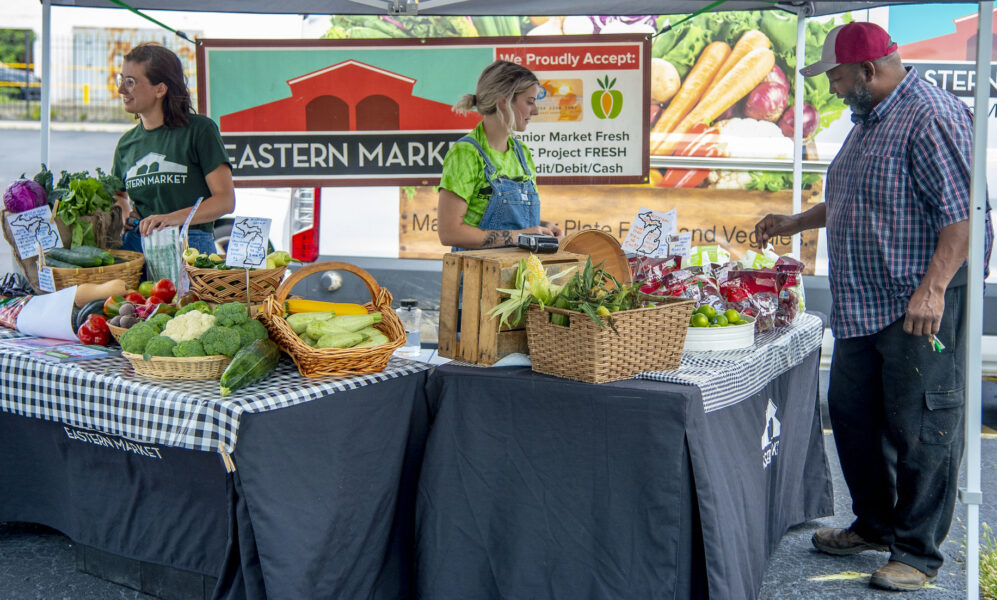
(164, 289)
(135, 298)
(153, 300)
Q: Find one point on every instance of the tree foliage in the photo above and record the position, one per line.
(12, 45)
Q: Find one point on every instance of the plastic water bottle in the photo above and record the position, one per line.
(411, 318)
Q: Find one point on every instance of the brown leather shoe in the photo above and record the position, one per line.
(835, 540)
(899, 577)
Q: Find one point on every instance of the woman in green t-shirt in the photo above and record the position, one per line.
(172, 157)
(488, 193)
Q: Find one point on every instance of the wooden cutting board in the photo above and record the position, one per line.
(603, 248)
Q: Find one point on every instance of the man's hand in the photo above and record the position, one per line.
(924, 311)
(773, 225)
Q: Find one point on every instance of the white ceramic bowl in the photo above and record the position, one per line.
(707, 339)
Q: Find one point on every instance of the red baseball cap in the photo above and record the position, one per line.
(852, 43)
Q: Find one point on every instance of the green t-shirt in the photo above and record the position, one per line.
(464, 172)
(164, 169)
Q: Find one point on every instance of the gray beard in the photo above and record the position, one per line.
(860, 100)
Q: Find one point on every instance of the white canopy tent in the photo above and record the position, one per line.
(971, 495)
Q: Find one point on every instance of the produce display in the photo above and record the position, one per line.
(84, 204)
(591, 291)
(194, 330)
(762, 287)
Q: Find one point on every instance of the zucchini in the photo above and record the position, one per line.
(249, 365)
(58, 264)
(106, 258)
(72, 257)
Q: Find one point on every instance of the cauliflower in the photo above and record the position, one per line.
(198, 305)
(137, 336)
(249, 331)
(159, 346)
(220, 340)
(729, 180)
(230, 313)
(188, 326)
(188, 348)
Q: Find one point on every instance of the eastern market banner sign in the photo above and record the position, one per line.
(378, 112)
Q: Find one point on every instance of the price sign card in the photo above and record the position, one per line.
(648, 235)
(45, 281)
(31, 228)
(247, 248)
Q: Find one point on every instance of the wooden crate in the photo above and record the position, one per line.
(471, 335)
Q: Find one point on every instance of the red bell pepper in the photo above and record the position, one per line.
(700, 142)
(95, 331)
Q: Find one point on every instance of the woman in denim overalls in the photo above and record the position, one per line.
(488, 194)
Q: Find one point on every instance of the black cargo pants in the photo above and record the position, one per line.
(897, 411)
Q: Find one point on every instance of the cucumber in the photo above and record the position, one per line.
(106, 258)
(58, 264)
(72, 257)
(252, 363)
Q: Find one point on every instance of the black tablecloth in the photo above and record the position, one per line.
(320, 506)
(539, 487)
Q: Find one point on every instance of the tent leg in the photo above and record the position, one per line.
(971, 495)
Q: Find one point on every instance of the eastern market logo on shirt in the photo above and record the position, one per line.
(770, 435)
(153, 169)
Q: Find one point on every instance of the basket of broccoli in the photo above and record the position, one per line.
(197, 342)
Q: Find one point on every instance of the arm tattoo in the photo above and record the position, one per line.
(497, 238)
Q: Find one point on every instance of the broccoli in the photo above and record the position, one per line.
(200, 305)
(220, 340)
(137, 336)
(159, 320)
(249, 331)
(230, 313)
(159, 346)
(188, 348)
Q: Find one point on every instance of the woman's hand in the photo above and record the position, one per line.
(553, 228)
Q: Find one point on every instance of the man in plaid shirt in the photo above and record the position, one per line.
(896, 211)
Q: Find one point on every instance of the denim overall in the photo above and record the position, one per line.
(514, 204)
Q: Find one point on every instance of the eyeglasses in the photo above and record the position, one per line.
(126, 82)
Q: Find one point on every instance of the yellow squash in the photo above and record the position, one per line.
(301, 305)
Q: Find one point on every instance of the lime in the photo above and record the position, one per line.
(699, 320)
(721, 321)
(707, 310)
(732, 316)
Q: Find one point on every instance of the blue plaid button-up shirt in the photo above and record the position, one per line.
(900, 177)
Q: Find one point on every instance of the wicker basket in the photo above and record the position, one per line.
(130, 271)
(646, 339)
(319, 362)
(229, 285)
(165, 367)
(116, 332)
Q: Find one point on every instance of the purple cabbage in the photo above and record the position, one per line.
(22, 195)
(623, 20)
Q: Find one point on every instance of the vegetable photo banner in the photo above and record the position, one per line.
(378, 112)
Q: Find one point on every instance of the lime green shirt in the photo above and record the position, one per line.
(464, 172)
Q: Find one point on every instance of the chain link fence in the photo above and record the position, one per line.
(84, 66)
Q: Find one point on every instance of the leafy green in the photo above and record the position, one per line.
(85, 197)
(401, 26)
(774, 181)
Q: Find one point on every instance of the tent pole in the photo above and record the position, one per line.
(802, 12)
(971, 495)
(46, 79)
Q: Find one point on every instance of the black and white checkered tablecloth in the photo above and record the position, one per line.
(108, 396)
(727, 377)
